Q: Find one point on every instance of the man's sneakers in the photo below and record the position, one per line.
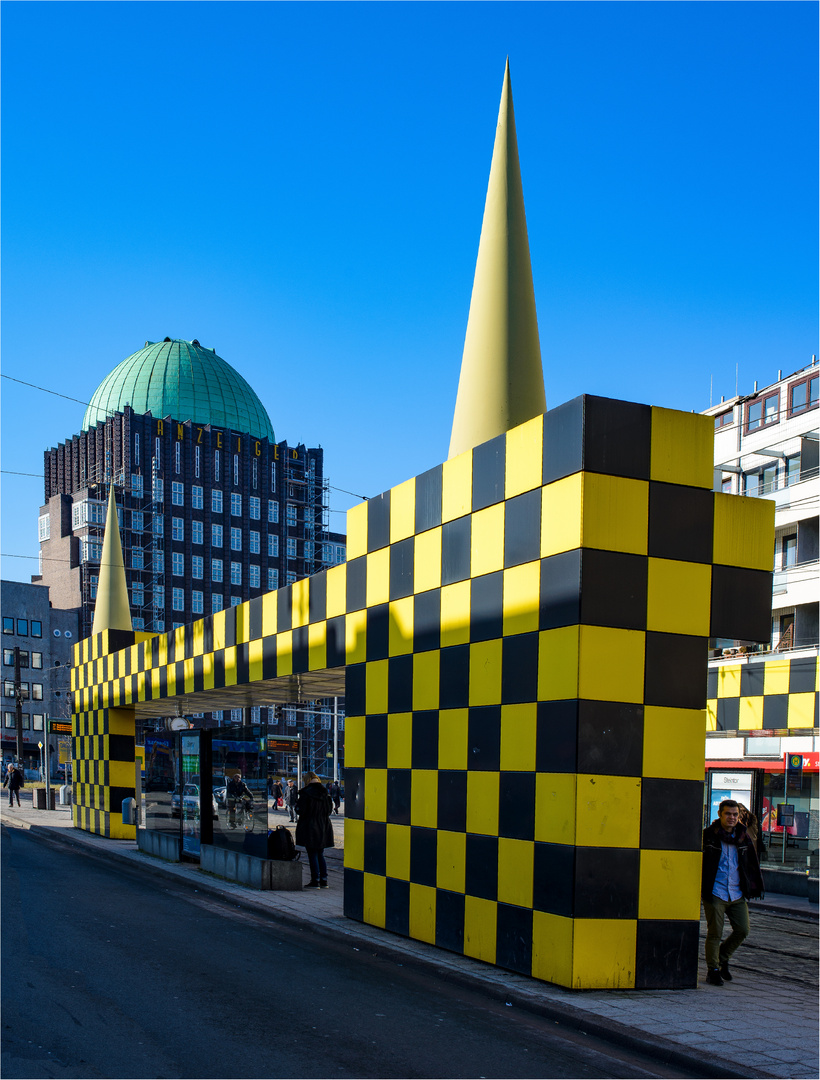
(725, 974)
(712, 975)
(323, 885)
(312, 885)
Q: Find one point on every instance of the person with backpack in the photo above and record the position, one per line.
(13, 781)
(313, 829)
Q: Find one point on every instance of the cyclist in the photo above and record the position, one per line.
(237, 791)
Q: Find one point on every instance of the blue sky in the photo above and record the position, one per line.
(301, 187)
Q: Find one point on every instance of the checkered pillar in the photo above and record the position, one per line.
(102, 741)
(526, 631)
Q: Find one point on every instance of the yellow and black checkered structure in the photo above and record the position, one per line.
(524, 630)
(779, 693)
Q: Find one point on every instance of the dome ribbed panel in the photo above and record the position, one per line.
(184, 381)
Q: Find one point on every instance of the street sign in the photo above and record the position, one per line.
(794, 773)
(287, 746)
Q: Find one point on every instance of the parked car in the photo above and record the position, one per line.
(190, 801)
(220, 788)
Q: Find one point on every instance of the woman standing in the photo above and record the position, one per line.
(313, 830)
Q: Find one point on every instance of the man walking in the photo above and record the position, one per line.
(291, 799)
(731, 876)
(13, 781)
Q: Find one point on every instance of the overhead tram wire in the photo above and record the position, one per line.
(45, 389)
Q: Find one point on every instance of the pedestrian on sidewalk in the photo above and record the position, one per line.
(313, 829)
(336, 795)
(277, 794)
(291, 799)
(731, 876)
(13, 781)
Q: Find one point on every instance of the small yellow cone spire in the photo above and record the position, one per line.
(112, 611)
(502, 381)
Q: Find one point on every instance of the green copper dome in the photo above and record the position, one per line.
(182, 380)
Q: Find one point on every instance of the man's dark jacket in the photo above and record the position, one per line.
(748, 868)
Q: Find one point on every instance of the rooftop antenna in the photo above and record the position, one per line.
(737, 370)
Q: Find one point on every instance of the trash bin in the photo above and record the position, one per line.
(41, 802)
(65, 795)
(129, 811)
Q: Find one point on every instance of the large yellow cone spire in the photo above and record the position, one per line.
(502, 382)
(112, 611)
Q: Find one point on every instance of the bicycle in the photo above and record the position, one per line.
(239, 815)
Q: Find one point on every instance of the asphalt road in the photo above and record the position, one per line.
(110, 973)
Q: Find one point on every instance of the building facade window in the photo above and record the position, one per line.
(8, 625)
(196, 497)
(273, 511)
(197, 602)
(158, 488)
(291, 514)
(177, 528)
(793, 469)
(253, 543)
(37, 660)
(197, 461)
(790, 550)
(136, 485)
(236, 470)
(37, 721)
(726, 485)
(273, 579)
(216, 536)
(216, 465)
(93, 581)
(255, 474)
(236, 601)
(255, 508)
(136, 453)
(291, 577)
(177, 564)
(22, 627)
(177, 493)
(273, 546)
(309, 549)
(178, 600)
(158, 452)
(36, 628)
(236, 573)
(291, 548)
(197, 531)
(254, 577)
(178, 458)
(723, 419)
(216, 569)
(273, 477)
(803, 395)
(236, 504)
(137, 521)
(763, 412)
(159, 525)
(36, 691)
(197, 567)
(216, 602)
(138, 622)
(137, 560)
(44, 527)
(236, 539)
(216, 501)
(137, 594)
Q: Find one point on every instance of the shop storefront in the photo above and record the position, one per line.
(783, 794)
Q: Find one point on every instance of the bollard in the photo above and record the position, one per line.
(65, 795)
(129, 811)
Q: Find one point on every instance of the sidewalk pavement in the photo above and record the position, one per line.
(756, 1026)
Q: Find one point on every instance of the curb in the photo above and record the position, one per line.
(491, 984)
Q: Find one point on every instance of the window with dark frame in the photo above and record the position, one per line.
(724, 419)
(762, 412)
(22, 627)
(36, 628)
(803, 395)
(8, 625)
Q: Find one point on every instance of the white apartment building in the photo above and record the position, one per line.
(762, 700)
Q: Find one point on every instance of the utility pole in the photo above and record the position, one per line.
(18, 702)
